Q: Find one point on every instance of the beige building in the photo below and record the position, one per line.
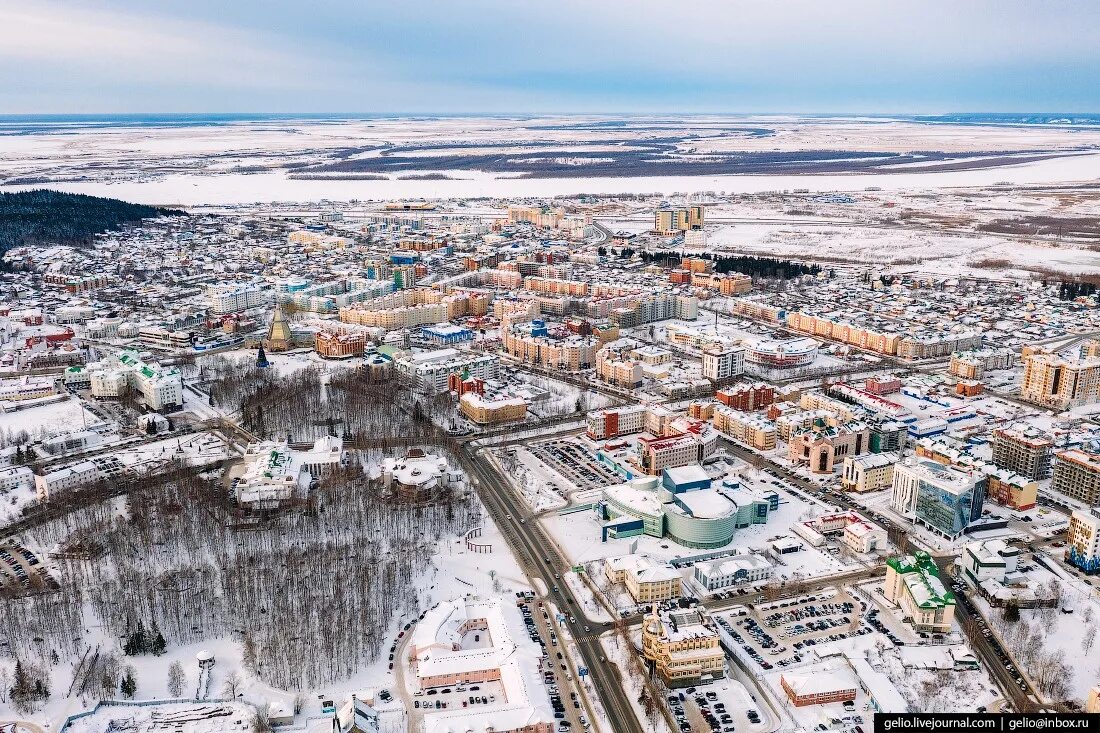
(492, 410)
(647, 581)
(674, 221)
(1058, 382)
(683, 646)
(821, 445)
(747, 428)
(1077, 475)
(864, 338)
(556, 286)
(975, 363)
(913, 584)
(413, 307)
(869, 472)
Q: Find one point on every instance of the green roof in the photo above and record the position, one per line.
(922, 579)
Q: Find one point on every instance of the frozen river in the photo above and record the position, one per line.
(235, 188)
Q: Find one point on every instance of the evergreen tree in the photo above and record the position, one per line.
(21, 684)
(129, 684)
(157, 644)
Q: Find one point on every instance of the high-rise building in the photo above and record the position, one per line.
(674, 221)
(723, 362)
(1022, 451)
(1077, 475)
(1059, 382)
(941, 498)
(1083, 538)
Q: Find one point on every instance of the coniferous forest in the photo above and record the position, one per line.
(43, 216)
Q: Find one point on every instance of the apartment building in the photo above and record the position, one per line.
(531, 343)
(616, 365)
(755, 431)
(913, 584)
(1083, 539)
(637, 311)
(1023, 451)
(430, 369)
(869, 472)
(723, 362)
(227, 298)
(669, 221)
(683, 646)
(825, 327)
(556, 286)
(746, 397)
(1077, 475)
(935, 346)
(615, 421)
(646, 581)
(1059, 382)
(975, 363)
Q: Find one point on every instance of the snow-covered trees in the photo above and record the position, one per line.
(177, 679)
(308, 594)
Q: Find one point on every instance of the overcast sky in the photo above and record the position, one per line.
(500, 56)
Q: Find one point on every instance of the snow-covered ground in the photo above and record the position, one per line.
(47, 419)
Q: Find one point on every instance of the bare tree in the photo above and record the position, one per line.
(177, 679)
(232, 685)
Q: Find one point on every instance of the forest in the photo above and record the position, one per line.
(309, 594)
(756, 267)
(43, 216)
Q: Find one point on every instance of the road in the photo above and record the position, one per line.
(988, 648)
(540, 559)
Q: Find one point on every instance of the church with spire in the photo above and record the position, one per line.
(279, 336)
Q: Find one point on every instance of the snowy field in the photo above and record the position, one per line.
(244, 162)
(49, 419)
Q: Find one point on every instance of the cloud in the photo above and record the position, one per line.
(568, 55)
(124, 48)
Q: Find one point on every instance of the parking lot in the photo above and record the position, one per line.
(777, 634)
(21, 568)
(718, 707)
(575, 463)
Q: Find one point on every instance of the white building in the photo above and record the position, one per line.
(114, 377)
(26, 388)
(65, 479)
(417, 473)
(852, 528)
(430, 369)
(717, 575)
(723, 362)
(277, 474)
(481, 641)
(234, 297)
(991, 560)
(15, 477)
